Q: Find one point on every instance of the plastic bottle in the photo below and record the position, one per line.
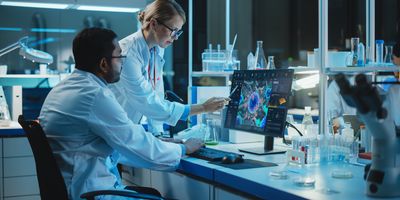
(350, 143)
(379, 51)
(361, 55)
(250, 61)
(307, 121)
(271, 64)
(260, 62)
(348, 132)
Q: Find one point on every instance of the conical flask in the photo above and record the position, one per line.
(271, 63)
(260, 61)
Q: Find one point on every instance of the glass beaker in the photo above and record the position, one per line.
(352, 58)
(388, 54)
(211, 134)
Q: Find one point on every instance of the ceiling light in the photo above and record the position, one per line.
(34, 4)
(107, 9)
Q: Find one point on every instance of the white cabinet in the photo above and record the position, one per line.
(178, 186)
(1, 169)
(222, 194)
(18, 171)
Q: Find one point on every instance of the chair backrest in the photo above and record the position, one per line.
(51, 182)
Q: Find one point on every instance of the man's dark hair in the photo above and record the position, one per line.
(90, 46)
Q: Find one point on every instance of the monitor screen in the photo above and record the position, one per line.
(259, 101)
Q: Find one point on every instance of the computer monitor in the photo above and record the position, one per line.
(259, 104)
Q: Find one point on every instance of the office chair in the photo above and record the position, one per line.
(51, 182)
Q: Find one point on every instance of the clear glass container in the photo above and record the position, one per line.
(271, 63)
(388, 54)
(307, 121)
(211, 135)
(353, 56)
(260, 61)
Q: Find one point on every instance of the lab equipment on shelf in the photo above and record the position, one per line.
(219, 60)
(361, 54)
(379, 51)
(259, 61)
(353, 56)
(271, 63)
(250, 61)
(388, 54)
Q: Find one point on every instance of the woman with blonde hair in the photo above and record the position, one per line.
(141, 89)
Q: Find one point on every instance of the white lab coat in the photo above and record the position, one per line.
(89, 132)
(136, 92)
(336, 106)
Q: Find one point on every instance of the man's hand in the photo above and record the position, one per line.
(193, 144)
(215, 103)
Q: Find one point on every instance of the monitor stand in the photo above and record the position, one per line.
(267, 149)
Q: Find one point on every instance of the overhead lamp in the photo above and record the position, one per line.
(129, 6)
(107, 9)
(27, 52)
(36, 4)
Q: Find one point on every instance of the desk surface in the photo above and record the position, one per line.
(13, 130)
(258, 182)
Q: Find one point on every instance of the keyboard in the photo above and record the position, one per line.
(211, 154)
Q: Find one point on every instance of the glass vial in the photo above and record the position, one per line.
(260, 61)
(271, 64)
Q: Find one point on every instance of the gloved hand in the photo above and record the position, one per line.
(192, 145)
(215, 103)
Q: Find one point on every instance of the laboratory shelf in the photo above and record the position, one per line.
(354, 70)
(31, 80)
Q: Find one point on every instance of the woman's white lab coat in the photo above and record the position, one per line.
(140, 90)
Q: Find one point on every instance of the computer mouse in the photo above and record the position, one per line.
(232, 159)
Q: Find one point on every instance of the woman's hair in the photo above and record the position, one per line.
(160, 10)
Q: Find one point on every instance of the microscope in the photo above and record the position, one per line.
(383, 175)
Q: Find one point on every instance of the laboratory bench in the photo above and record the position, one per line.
(195, 178)
(199, 179)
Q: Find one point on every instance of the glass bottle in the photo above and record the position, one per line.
(271, 63)
(388, 54)
(353, 56)
(260, 61)
(307, 121)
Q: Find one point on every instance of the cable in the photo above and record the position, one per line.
(288, 124)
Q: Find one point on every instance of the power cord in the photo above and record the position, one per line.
(288, 124)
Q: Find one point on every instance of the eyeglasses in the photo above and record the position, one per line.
(175, 33)
(122, 57)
